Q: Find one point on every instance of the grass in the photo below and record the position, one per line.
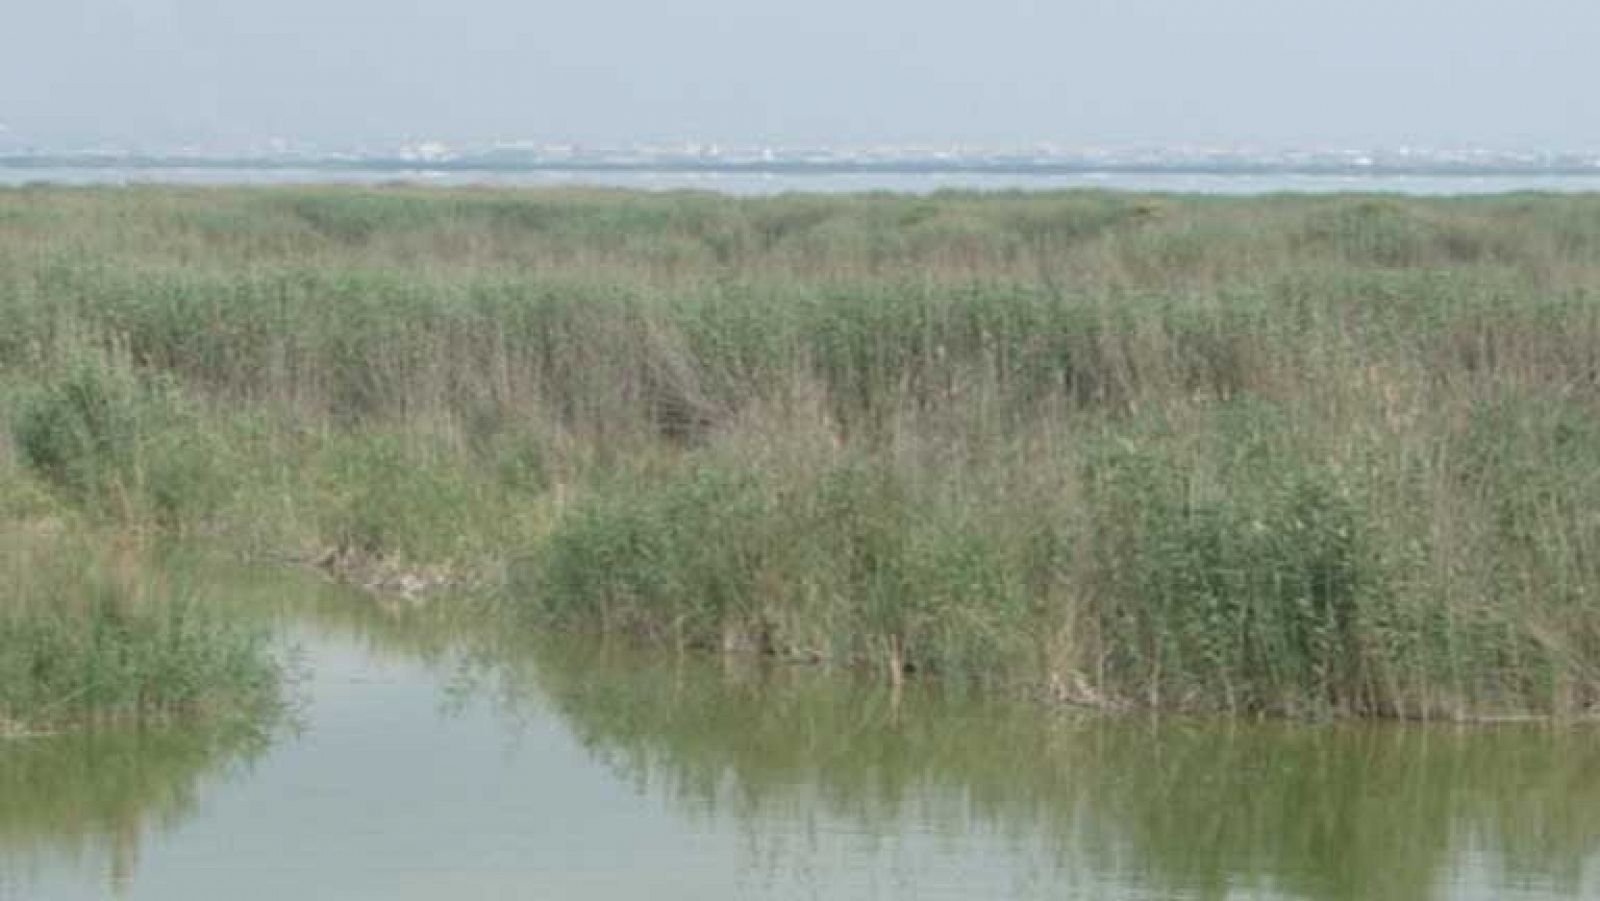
(88, 639)
(1289, 455)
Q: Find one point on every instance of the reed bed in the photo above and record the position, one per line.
(1291, 455)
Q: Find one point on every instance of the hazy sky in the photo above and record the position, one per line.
(1000, 72)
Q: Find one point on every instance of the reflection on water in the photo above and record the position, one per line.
(1192, 809)
(434, 764)
(88, 802)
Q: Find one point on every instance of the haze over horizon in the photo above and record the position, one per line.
(345, 73)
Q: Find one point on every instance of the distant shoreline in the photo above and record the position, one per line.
(669, 165)
(767, 179)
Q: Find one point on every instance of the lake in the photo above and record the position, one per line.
(429, 760)
(757, 183)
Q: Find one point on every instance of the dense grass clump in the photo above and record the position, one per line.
(86, 640)
(853, 562)
(116, 439)
(1305, 455)
(1247, 589)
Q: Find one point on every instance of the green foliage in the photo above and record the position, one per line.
(1387, 233)
(81, 432)
(1292, 454)
(841, 563)
(119, 442)
(377, 495)
(685, 555)
(1250, 591)
(82, 642)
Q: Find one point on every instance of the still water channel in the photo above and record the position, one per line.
(427, 762)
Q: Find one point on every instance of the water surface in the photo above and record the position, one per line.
(761, 183)
(427, 762)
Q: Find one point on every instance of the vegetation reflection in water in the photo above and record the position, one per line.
(95, 798)
(1136, 807)
(1201, 809)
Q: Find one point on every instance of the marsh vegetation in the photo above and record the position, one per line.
(1304, 456)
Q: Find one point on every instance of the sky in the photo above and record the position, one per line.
(1000, 73)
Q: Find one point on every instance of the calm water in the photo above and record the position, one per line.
(759, 183)
(427, 765)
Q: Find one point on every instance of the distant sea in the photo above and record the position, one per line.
(760, 183)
